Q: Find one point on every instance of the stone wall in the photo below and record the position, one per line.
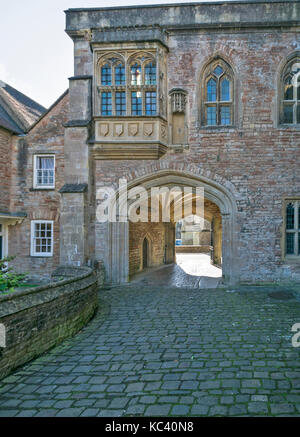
(47, 136)
(193, 249)
(37, 319)
(5, 168)
(256, 159)
(155, 233)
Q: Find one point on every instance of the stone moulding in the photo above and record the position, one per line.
(219, 14)
(128, 150)
(36, 319)
(129, 138)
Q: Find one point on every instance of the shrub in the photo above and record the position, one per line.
(9, 279)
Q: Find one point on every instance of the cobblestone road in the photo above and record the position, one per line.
(153, 351)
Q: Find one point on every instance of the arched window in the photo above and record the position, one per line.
(150, 74)
(112, 74)
(106, 78)
(144, 85)
(136, 74)
(120, 78)
(217, 94)
(127, 87)
(290, 93)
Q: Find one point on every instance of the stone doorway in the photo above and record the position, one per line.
(145, 253)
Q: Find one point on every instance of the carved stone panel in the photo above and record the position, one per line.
(148, 129)
(103, 129)
(118, 129)
(133, 129)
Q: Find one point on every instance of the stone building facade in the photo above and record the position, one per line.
(170, 95)
(17, 113)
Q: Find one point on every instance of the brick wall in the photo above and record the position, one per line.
(256, 159)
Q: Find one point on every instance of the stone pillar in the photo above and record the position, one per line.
(119, 267)
(73, 241)
(170, 242)
(217, 239)
(77, 193)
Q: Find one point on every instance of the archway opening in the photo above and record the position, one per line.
(125, 238)
(184, 251)
(198, 248)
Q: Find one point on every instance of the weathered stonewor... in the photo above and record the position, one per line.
(168, 95)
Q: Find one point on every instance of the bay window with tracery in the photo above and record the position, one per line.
(290, 93)
(127, 85)
(143, 85)
(217, 94)
(112, 88)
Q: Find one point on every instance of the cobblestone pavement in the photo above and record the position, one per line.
(177, 352)
(193, 270)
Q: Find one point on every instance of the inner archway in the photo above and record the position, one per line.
(186, 251)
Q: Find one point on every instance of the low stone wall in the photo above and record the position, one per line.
(192, 249)
(36, 319)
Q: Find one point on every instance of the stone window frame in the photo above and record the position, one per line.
(4, 235)
(296, 231)
(206, 74)
(36, 185)
(285, 72)
(143, 58)
(33, 252)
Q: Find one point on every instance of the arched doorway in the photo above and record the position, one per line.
(119, 235)
(145, 253)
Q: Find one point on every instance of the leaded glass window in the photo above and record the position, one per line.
(121, 103)
(211, 90)
(106, 75)
(225, 115)
(211, 116)
(217, 95)
(127, 87)
(150, 74)
(150, 102)
(292, 226)
(120, 78)
(291, 93)
(136, 74)
(106, 103)
(136, 103)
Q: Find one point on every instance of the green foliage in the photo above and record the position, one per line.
(9, 280)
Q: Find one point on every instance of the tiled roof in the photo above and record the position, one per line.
(7, 122)
(17, 111)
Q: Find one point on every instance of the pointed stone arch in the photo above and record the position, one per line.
(217, 190)
(146, 237)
